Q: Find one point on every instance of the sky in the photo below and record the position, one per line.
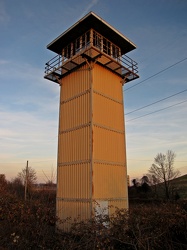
(29, 104)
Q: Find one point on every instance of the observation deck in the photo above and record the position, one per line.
(91, 40)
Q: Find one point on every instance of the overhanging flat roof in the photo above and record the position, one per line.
(91, 20)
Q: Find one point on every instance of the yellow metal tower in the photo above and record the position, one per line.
(91, 68)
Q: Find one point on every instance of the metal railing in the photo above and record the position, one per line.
(55, 64)
(102, 46)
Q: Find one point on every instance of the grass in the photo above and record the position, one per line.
(180, 184)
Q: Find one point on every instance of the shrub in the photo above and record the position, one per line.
(31, 225)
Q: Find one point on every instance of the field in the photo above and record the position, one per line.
(180, 184)
(31, 225)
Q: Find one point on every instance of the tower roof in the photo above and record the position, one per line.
(91, 20)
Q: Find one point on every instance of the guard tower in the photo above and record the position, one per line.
(91, 67)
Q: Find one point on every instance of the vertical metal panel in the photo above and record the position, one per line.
(109, 181)
(75, 83)
(108, 112)
(75, 112)
(74, 145)
(83, 126)
(107, 82)
(109, 169)
(68, 211)
(74, 155)
(73, 181)
(108, 145)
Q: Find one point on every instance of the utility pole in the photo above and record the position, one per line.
(26, 180)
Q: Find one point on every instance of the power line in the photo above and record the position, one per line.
(156, 102)
(156, 111)
(156, 74)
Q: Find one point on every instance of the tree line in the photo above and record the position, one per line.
(159, 176)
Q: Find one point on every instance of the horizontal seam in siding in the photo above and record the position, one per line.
(75, 96)
(72, 199)
(108, 97)
(109, 128)
(121, 164)
(111, 199)
(73, 163)
(88, 200)
(75, 128)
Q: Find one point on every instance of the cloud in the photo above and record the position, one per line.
(27, 135)
(3, 62)
(150, 135)
(4, 17)
(29, 114)
(88, 8)
(26, 126)
(21, 70)
(26, 82)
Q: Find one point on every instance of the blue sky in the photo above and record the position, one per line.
(29, 103)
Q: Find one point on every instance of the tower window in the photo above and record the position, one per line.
(96, 40)
(115, 52)
(67, 51)
(106, 46)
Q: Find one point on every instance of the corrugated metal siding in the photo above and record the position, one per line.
(74, 145)
(108, 145)
(109, 181)
(108, 112)
(74, 181)
(75, 112)
(75, 83)
(67, 211)
(82, 128)
(121, 204)
(74, 155)
(107, 82)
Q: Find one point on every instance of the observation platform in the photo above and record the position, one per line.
(91, 39)
(58, 67)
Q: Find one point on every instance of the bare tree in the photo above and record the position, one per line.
(16, 187)
(28, 175)
(163, 170)
(153, 181)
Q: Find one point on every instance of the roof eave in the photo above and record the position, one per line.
(91, 20)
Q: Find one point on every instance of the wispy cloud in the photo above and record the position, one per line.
(3, 62)
(27, 75)
(28, 113)
(4, 17)
(25, 136)
(89, 7)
